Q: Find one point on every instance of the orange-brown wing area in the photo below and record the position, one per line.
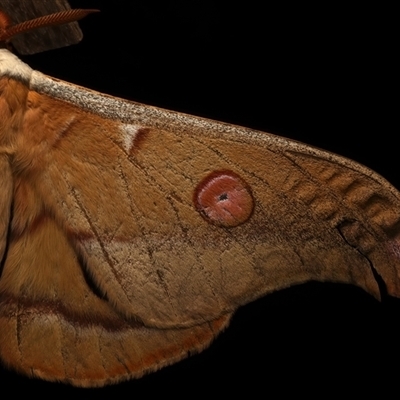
(54, 323)
(130, 198)
(53, 326)
(138, 239)
(5, 202)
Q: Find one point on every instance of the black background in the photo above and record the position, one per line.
(321, 76)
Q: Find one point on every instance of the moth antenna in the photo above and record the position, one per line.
(63, 17)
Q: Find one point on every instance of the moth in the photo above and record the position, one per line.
(131, 234)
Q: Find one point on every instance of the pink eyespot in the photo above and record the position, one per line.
(224, 199)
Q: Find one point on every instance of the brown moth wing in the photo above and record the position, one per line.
(55, 328)
(5, 202)
(53, 325)
(143, 166)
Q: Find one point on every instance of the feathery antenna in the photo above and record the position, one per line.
(7, 30)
